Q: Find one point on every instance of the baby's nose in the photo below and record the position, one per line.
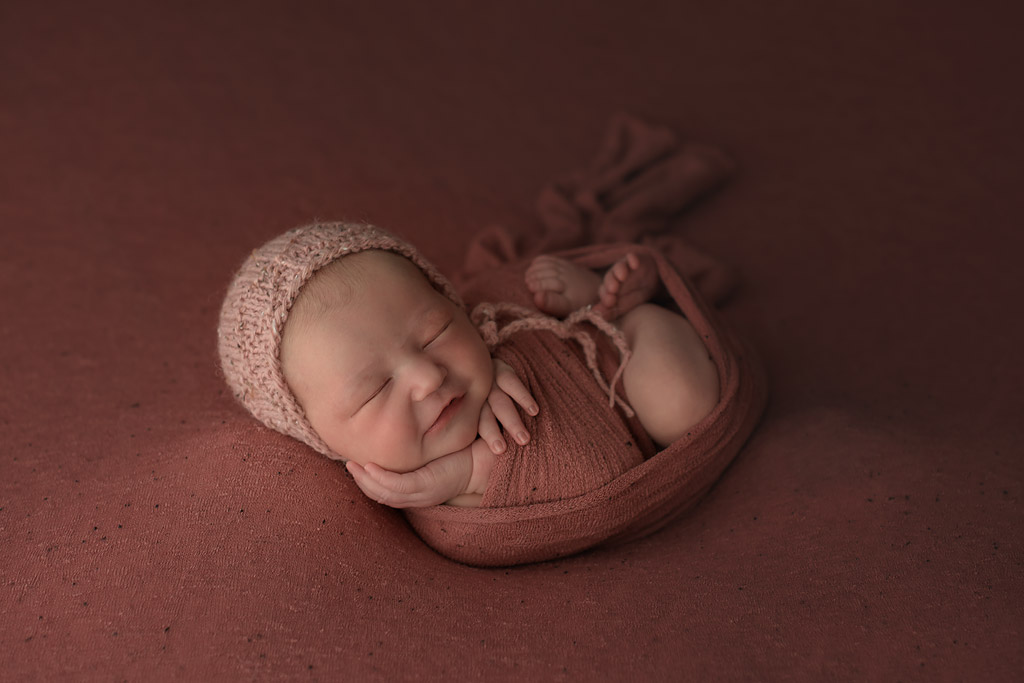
(427, 378)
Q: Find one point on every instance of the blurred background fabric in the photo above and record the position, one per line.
(151, 530)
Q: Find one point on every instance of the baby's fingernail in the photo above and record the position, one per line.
(522, 437)
(533, 409)
(499, 446)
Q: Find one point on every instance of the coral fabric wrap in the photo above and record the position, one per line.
(590, 474)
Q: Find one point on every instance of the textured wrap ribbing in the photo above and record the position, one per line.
(485, 317)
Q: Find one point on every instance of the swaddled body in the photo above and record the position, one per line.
(578, 441)
(599, 478)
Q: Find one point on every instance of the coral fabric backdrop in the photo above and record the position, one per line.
(151, 530)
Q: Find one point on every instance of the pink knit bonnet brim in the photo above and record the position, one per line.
(256, 307)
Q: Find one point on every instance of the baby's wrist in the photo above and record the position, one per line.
(482, 462)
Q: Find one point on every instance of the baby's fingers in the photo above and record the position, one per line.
(490, 432)
(508, 381)
(408, 484)
(390, 488)
(506, 413)
(366, 484)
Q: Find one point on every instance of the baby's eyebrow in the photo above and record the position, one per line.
(433, 316)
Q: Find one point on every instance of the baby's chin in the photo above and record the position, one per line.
(459, 435)
(457, 439)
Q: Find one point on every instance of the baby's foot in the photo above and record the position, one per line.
(631, 281)
(560, 287)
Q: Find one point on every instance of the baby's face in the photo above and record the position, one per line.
(390, 371)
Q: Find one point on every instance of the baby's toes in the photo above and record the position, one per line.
(545, 283)
(536, 266)
(615, 276)
(544, 278)
(543, 262)
(542, 268)
(624, 268)
(607, 299)
(551, 301)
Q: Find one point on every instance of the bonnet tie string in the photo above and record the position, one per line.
(485, 317)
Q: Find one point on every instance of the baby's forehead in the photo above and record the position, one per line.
(373, 282)
(369, 265)
(342, 279)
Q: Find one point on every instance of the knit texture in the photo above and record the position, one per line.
(256, 307)
(522, 319)
(579, 441)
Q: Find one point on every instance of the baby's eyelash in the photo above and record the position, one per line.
(377, 393)
(440, 332)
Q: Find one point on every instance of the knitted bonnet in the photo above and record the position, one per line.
(256, 308)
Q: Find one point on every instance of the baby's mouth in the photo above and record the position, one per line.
(446, 415)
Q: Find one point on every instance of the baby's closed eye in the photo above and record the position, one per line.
(436, 335)
(375, 393)
(379, 390)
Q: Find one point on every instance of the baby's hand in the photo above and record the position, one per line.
(499, 408)
(439, 481)
(434, 483)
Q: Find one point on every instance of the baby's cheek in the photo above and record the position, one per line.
(483, 365)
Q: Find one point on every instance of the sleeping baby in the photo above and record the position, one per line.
(345, 337)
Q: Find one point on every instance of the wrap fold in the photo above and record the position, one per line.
(641, 178)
